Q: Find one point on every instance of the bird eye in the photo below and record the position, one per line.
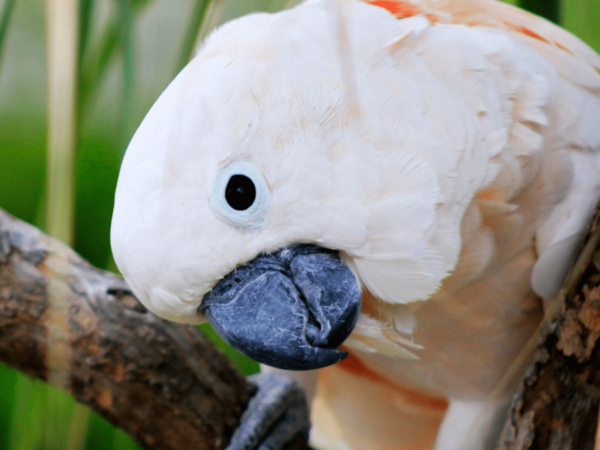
(241, 195)
(240, 192)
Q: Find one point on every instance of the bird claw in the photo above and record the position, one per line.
(276, 414)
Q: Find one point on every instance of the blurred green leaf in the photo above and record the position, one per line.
(582, 17)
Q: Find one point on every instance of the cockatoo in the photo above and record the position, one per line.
(378, 198)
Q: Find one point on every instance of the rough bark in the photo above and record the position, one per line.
(556, 406)
(81, 329)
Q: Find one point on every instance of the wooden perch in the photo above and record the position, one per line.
(81, 329)
(556, 406)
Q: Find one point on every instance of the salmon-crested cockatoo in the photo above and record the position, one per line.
(378, 198)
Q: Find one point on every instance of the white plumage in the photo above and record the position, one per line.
(456, 168)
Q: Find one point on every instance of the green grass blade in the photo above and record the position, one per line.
(126, 33)
(550, 9)
(26, 424)
(191, 33)
(4, 21)
(62, 51)
(62, 430)
(78, 428)
(58, 413)
(93, 66)
(86, 8)
(94, 63)
(212, 18)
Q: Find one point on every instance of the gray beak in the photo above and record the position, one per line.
(290, 309)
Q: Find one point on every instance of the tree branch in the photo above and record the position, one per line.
(81, 329)
(556, 406)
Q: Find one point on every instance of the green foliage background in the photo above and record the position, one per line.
(130, 50)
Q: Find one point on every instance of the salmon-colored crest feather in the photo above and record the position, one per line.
(402, 9)
(495, 14)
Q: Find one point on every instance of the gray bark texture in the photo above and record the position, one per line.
(82, 330)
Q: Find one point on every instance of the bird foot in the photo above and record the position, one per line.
(276, 414)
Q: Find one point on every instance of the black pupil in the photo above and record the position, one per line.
(240, 192)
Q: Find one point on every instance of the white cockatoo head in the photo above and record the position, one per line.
(256, 148)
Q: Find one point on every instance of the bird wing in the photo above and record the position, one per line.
(567, 190)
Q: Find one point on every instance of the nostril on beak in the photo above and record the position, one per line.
(316, 334)
(312, 333)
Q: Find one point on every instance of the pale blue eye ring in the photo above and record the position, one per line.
(253, 216)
